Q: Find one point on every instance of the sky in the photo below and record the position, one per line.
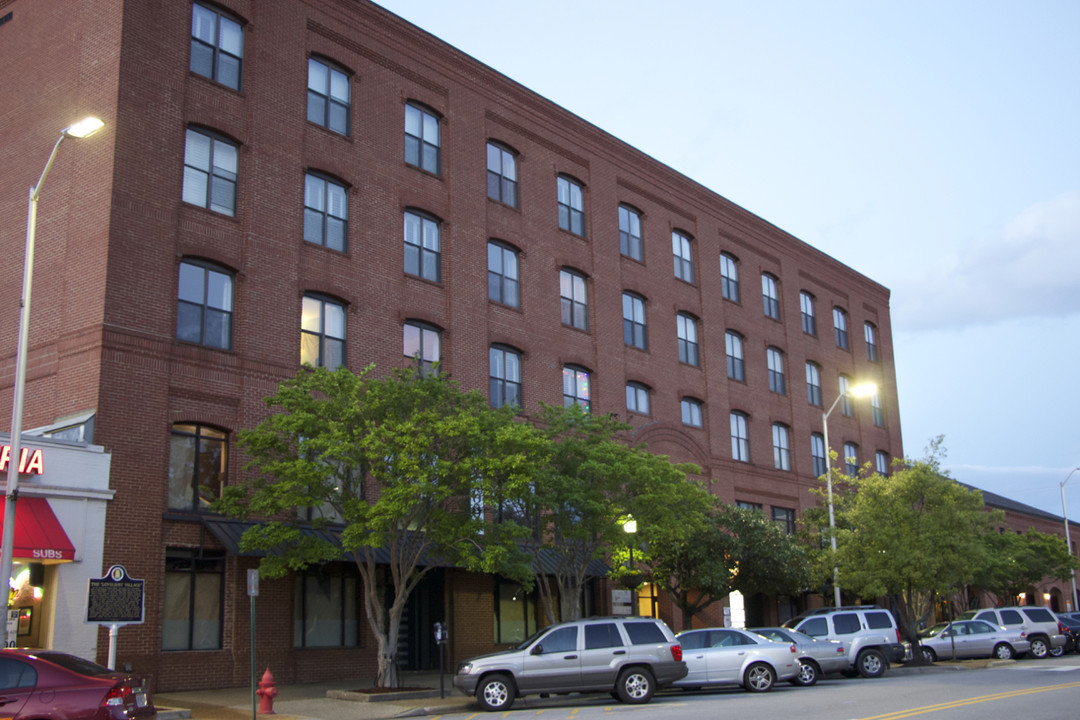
(933, 146)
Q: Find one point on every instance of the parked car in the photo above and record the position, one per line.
(1072, 633)
(1043, 630)
(869, 634)
(970, 639)
(630, 657)
(816, 657)
(52, 684)
(726, 656)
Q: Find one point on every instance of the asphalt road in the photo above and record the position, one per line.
(1026, 690)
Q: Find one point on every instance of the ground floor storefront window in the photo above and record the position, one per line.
(325, 604)
(515, 612)
(194, 583)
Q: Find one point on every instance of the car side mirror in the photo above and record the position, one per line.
(537, 650)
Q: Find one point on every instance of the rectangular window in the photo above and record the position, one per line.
(217, 46)
(785, 517)
(743, 504)
(503, 284)
(571, 201)
(840, 327)
(729, 278)
(210, 172)
(736, 365)
(777, 382)
(504, 377)
(325, 609)
(809, 319)
(575, 387)
(740, 438)
(192, 609)
(328, 96)
(326, 212)
(204, 305)
(198, 466)
(686, 328)
(877, 409)
(422, 146)
(634, 331)
(515, 613)
(502, 184)
(683, 253)
(421, 344)
(691, 412)
(637, 398)
(851, 459)
(847, 402)
(781, 447)
(322, 332)
(575, 304)
(630, 233)
(813, 384)
(770, 295)
(870, 333)
(423, 253)
(817, 452)
(881, 462)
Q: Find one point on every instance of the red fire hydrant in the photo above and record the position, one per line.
(267, 692)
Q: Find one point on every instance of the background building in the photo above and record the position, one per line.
(324, 182)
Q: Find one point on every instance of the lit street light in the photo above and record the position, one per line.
(630, 528)
(1071, 605)
(81, 129)
(861, 390)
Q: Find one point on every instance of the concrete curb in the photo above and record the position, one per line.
(357, 696)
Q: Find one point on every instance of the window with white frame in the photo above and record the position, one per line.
(630, 243)
(740, 436)
(210, 172)
(422, 145)
(781, 445)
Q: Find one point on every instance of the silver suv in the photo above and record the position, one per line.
(869, 635)
(1043, 630)
(630, 657)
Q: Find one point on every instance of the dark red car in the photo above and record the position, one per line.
(59, 686)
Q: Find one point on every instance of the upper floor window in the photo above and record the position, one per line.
(575, 386)
(870, 333)
(785, 517)
(740, 437)
(847, 402)
(210, 170)
(504, 286)
(328, 96)
(637, 398)
(839, 320)
(504, 375)
(809, 319)
(736, 362)
(747, 505)
(683, 253)
(817, 453)
(770, 295)
(217, 46)
(633, 312)
(686, 328)
(813, 383)
(781, 444)
(198, 466)
(204, 305)
(729, 278)
(881, 462)
(326, 212)
(877, 409)
(420, 342)
(775, 359)
(575, 304)
(630, 233)
(571, 200)
(423, 254)
(502, 183)
(422, 147)
(691, 412)
(851, 458)
(322, 332)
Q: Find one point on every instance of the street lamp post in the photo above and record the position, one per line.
(630, 528)
(861, 390)
(1071, 605)
(81, 129)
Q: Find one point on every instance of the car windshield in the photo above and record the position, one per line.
(531, 639)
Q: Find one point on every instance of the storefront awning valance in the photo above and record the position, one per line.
(39, 537)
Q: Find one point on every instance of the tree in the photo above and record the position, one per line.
(1012, 562)
(705, 557)
(591, 482)
(909, 536)
(400, 466)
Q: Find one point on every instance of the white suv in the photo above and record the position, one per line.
(869, 634)
(1043, 630)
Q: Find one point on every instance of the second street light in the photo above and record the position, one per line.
(861, 390)
(81, 129)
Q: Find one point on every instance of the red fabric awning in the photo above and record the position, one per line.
(39, 537)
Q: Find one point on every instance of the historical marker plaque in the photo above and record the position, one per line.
(115, 599)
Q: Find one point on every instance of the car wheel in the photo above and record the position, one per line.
(496, 692)
(759, 678)
(635, 686)
(1003, 651)
(1057, 652)
(929, 655)
(1039, 648)
(808, 674)
(870, 664)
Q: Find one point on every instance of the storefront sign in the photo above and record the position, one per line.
(31, 462)
(114, 599)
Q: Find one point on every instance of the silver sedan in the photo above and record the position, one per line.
(972, 638)
(726, 656)
(817, 656)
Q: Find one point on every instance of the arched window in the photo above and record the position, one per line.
(328, 97)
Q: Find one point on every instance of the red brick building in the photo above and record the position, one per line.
(322, 181)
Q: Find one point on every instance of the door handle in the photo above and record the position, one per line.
(619, 652)
(569, 657)
(7, 700)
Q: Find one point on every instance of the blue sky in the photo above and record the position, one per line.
(932, 146)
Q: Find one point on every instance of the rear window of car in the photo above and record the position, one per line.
(75, 664)
(1011, 617)
(602, 635)
(644, 633)
(1039, 615)
(878, 620)
(846, 623)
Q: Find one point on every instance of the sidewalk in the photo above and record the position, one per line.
(310, 701)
